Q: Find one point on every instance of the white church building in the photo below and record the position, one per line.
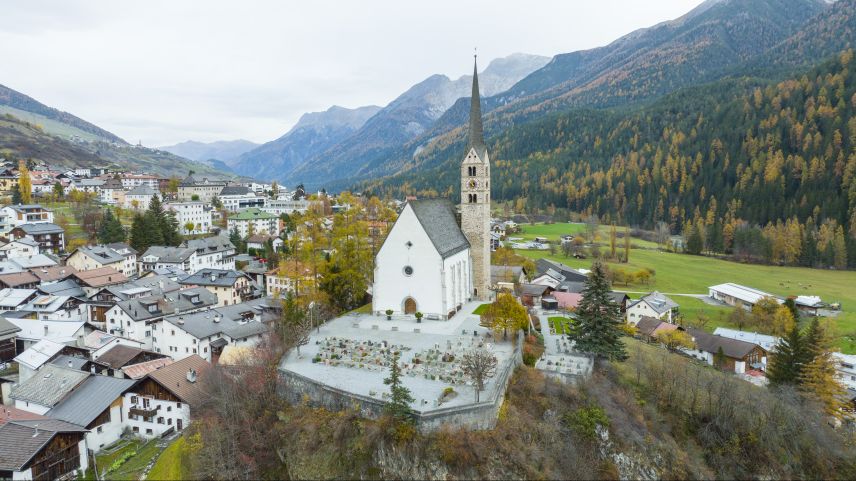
(431, 263)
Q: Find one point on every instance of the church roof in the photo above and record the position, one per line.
(476, 129)
(437, 217)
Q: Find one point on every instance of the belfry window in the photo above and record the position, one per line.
(471, 170)
(473, 198)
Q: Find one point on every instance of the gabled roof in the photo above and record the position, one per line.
(7, 328)
(767, 342)
(12, 298)
(168, 254)
(21, 441)
(40, 228)
(90, 399)
(101, 254)
(142, 189)
(39, 353)
(174, 378)
(48, 385)
(532, 289)
(732, 348)
(18, 279)
(32, 262)
(213, 277)
(658, 302)
(103, 276)
(138, 308)
(59, 331)
(505, 273)
(140, 370)
(119, 355)
(11, 413)
(437, 217)
(235, 190)
(746, 294)
(651, 326)
(53, 273)
(237, 321)
(209, 245)
(67, 287)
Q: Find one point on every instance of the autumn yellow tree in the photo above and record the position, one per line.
(25, 185)
(505, 314)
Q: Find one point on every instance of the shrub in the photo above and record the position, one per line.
(584, 421)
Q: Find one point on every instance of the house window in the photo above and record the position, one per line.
(178, 405)
(148, 431)
(133, 399)
(169, 421)
(160, 420)
(169, 409)
(98, 429)
(136, 429)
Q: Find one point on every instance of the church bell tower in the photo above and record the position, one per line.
(475, 197)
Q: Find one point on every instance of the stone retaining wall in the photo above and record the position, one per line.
(297, 389)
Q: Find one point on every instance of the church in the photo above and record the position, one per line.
(435, 257)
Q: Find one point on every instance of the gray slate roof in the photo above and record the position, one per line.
(20, 441)
(142, 190)
(63, 288)
(231, 320)
(172, 255)
(542, 266)
(138, 310)
(209, 245)
(659, 302)
(235, 190)
(213, 277)
(437, 217)
(77, 363)
(90, 399)
(49, 385)
(732, 348)
(41, 228)
(7, 328)
(102, 254)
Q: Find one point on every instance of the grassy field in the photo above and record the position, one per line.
(555, 231)
(685, 274)
(560, 325)
(170, 465)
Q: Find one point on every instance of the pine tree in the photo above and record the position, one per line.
(787, 362)
(16, 195)
(818, 381)
(792, 306)
(598, 327)
(400, 398)
(111, 229)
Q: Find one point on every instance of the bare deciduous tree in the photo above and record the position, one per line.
(480, 365)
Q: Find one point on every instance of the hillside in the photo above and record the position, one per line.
(24, 140)
(750, 149)
(706, 44)
(18, 103)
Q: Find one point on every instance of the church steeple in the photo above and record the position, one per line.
(476, 130)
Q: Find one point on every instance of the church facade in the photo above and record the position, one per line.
(430, 263)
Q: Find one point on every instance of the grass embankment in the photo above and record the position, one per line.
(481, 309)
(686, 274)
(172, 465)
(127, 462)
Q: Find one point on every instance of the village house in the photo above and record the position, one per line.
(237, 197)
(112, 360)
(13, 299)
(50, 237)
(106, 297)
(119, 256)
(162, 401)
(90, 186)
(140, 197)
(112, 192)
(192, 255)
(19, 280)
(48, 275)
(57, 308)
(769, 343)
(726, 354)
(230, 287)
(507, 277)
(26, 214)
(278, 207)
(96, 404)
(24, 247)
(207, 332)
(286, 278)
(44, 352)
(254, 221)
(42, 449)
(137, 318)
(129, 181)
(190, 213)
(203, 191)
(8, 333)
(649, 328)
(652, 305)
(845, 369)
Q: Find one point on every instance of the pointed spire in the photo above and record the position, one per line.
(476, 131)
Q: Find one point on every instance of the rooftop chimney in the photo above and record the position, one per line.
(69, 363)
(191, 375)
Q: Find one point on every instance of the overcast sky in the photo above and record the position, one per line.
(167, 71)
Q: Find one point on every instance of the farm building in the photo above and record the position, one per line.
(738, 296)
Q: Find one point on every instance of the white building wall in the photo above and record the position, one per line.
(110, 431)
(426, 285)
(634, 313)
(170, 411)
(31, 407)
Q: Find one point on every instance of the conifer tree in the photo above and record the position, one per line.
(400, 398)
(817, 379)
(598, 327)
(111, 229)
(787, 362)
(16, 195)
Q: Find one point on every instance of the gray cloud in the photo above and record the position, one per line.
(165, 71)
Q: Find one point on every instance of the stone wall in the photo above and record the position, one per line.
(297, 389)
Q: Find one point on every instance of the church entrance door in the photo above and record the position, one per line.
(409, 305)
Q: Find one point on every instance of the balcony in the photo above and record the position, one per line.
(143, 411)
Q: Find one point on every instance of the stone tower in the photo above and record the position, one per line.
(475, 197)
